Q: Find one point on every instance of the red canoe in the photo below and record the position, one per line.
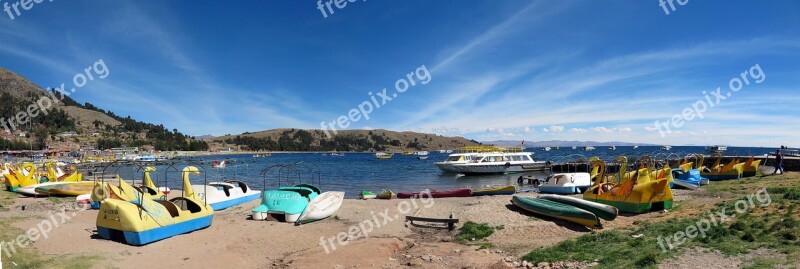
(437, 194)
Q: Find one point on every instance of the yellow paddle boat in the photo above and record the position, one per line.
(751, 167)
(145, 220)
(732, 170)
(54, 174)
(21, 176)
(640, 192)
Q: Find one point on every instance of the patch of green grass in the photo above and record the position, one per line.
(618, 249)
(793, 194)
(485, 246)
(27, 257)
(473, 231)
(6, 199)
(762, 263)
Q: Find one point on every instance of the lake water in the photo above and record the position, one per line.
(362, 171)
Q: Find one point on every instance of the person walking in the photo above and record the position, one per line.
(778, 162)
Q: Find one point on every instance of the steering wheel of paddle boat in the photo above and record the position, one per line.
(508, 165)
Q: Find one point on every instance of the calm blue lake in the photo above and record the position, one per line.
(362, 171)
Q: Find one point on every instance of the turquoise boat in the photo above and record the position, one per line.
(299, 203)
(285, 203)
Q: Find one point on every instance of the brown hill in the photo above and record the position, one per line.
(353, 140)
(22, 88)
(18, 86)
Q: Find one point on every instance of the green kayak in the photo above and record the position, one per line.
(605, 212)
(557, 210)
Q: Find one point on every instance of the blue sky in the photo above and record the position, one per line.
(533, 70)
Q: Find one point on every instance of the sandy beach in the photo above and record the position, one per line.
(236, 241)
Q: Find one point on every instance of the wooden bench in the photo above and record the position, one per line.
(451, 222)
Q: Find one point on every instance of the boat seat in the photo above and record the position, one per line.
(186, 204)
(171, 208)
(241, 185)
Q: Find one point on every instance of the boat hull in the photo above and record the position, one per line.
(476, 169)
(566, 183)
(436, 194)
(67, 189)
(323, 206)
(446, 167)
(235, 201)
(605, 212)
(152, 235)
(222, 195)
(507, 190)
(286, 203)
(556, 210)
(645, 197)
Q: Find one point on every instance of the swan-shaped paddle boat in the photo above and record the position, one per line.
(639, 193)
(125, 214)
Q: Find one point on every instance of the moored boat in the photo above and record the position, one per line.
(139, 220)
(66, 188)
(384, 155)
(222, 195)
(566, 183)
(557, 210)
(323, 206)
(387, 195)
(506, 190)
(605, 212)
(509, 160)
(436, 194)
(635, 192)
(366, 195)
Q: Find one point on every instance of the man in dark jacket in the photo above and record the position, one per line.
(778, 162)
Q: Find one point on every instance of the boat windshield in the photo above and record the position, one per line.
(455, 158)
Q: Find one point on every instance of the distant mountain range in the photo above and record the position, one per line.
(560, 143)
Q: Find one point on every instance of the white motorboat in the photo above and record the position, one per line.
(546, 149)
(421, 153)
(588, 148)
(717, 149)
(499, 163)
(612, 148)
(456, 158)
(666, 147)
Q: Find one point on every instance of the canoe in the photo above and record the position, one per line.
(436, 194)
(367, 195)
(323, 206)
(605, 212)
(557, 210)
(507, 190)
(67, 188)
(387, 195)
